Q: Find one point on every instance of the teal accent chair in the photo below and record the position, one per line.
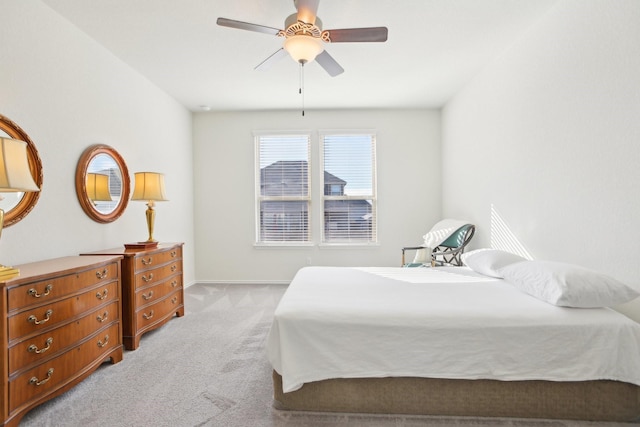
(448, 252)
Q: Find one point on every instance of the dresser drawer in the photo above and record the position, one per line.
(151, 260)
(48, 316)
(41, 347)
(54, 288)
(150, 295)
(56, 372)
(151, 314)
(156, 275)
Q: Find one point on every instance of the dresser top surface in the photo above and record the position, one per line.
(133, 252)
(58, 266)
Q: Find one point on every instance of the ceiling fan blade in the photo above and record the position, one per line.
(329, 64)
(307, 10)
(224, 22)
(267, 63)
(372, 34)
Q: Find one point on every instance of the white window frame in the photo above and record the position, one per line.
(326, 240)
(259, 197)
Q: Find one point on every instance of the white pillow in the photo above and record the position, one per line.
(567, 285)
(488, 261)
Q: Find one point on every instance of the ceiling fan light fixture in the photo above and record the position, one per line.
(303, 48)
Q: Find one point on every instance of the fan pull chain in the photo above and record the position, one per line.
(301, 90)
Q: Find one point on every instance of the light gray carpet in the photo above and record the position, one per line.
(209, 368)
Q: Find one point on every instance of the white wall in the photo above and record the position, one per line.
(409, 190)
(550, 135)
(67, 93)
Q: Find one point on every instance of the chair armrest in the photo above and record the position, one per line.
(409, 248)
(413, 247)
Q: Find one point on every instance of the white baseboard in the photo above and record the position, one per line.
(241, 282)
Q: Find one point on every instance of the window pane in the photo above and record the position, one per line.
(283, 175)
(288, 148)
(348, 220)
(284, 178)
(348, 160)
(284, 221)
(349, 212)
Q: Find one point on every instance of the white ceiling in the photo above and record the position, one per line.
(434, 48)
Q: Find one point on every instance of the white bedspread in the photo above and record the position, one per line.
(338, 322)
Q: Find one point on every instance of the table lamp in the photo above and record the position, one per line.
(15, 176)
(98, 188)
(149, 187)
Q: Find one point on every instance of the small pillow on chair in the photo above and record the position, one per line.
(423, 256)
(489, 261)
(567, 285)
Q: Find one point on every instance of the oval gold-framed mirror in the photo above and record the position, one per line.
(17, 205)
(102, 183)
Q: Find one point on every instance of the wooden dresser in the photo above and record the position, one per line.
(152, 291)
(61, 320)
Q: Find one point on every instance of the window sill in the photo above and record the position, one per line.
(286, 245)
(290, 245)
(350, 245)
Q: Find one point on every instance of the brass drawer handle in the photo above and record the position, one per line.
(174, 300)
(148, 296)
(102, 274)
(34, 380)
(106, 341)
(33, 319)
(34, 348)
(147, 316)
(47, 291)
(103, 317)
(147, 261)
(148, 279)
(174, 283)
(173, 254)
(102, 295)
(174, 268)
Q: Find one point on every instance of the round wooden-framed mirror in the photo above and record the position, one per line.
(102, 183)
(17, 205)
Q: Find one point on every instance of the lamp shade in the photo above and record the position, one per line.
(15, 174)
(98, 187)
(149, 186)
(303, 48)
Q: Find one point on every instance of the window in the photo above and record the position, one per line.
(282, 188)
(349, 182)
(334, 189)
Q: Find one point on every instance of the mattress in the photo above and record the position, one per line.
(448, 322)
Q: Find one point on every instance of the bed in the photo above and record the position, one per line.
(448, 341)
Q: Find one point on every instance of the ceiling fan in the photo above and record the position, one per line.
(304, 37)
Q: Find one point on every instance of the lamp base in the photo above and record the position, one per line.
(8, 272)
(141, 245)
